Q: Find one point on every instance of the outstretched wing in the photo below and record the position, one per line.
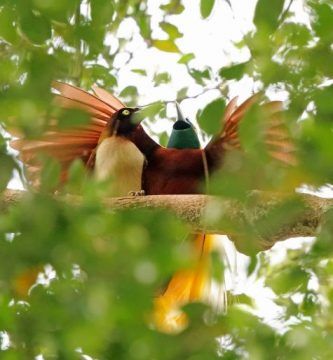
(66, 145)
(277, 138)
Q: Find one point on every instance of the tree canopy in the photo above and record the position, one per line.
(78, 280)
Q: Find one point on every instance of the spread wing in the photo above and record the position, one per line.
(66, 145)
(277, 138)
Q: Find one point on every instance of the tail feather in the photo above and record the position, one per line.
(186, 286)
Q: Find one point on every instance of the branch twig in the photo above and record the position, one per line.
(285, 13)
(195, 96)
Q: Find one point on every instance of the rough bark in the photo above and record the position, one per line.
(247, 223)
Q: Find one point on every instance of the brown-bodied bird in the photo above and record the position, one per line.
(115, 146)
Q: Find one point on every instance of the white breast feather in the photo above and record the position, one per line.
(121, 162)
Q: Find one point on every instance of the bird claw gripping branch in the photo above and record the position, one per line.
(137, 193)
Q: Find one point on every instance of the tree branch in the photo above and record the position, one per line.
(285, 13)
(202, 92)
(254, 225)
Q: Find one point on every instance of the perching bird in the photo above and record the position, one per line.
(165, 170)
(116, 147)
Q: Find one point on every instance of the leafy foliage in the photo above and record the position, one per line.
(210, 118)
(206, 7)
(76, 279)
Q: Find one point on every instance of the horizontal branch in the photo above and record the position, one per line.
(255, 224)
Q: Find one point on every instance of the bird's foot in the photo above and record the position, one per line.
(137, 193)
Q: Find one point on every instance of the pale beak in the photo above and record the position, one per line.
(181, 122)
(180, 116)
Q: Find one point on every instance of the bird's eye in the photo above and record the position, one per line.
(125, 112)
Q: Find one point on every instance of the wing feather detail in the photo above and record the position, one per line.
(107, 97)
(67, 103)
(67, 144)
(75, 93)
(230, 108)
(276, 136)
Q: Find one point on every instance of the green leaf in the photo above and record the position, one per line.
(7, 28)
(174, 7)
(59, 10)
(98, 73)
(164, 138)
(162, 78)
(323, 20)
(217, 267)
(182, 93)
(144, 26)
(7, 167)
(245, 299)
(323, 100)
(233, 72)
(8, 72)
(50, 174)
(171, 30)
(76, 176)
(140, 72)
(150, 111)
(166, 45)
(73, 117)
(316, 145)
(267, 14)
(185, 59)
(200, 75)
(206, 7)
(252, 265)
(289, 280)
(37, 28)
(129, 91)
(251, 132)
(210, 118)
(296, 34)
(130, 95)
(102, 11)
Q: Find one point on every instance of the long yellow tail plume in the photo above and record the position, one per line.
(186, 286)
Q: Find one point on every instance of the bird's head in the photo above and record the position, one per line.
(183, 135)
(124, 121)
